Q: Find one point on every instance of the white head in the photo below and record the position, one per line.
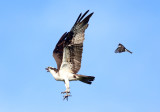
(53, 71)
(49, 69)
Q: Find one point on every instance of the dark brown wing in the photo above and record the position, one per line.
(72, 53)
(58, 51)
(120, 48)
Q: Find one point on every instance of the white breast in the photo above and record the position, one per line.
(56, 75)
(65, 74)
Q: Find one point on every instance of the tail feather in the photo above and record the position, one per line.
(86, 79)
(128, 51)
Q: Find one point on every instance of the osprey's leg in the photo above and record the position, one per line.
(67, 89)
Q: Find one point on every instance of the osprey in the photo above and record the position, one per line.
(68, 54)
(121, 48)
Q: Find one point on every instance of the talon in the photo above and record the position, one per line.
(66, 97)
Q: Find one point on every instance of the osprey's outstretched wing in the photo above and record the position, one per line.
(73, 45)
(58, 51)
(121, 48)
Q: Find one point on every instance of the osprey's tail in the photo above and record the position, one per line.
(85, 79)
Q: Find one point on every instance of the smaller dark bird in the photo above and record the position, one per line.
(121, 49)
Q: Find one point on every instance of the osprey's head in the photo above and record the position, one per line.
(51, 68)
(53, 71)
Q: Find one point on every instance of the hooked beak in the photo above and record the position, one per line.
(47, 69)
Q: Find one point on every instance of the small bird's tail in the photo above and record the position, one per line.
(128, 51)
(85, 79)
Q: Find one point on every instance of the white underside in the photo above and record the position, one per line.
(62, 75)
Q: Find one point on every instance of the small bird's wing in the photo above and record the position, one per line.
(120, 49)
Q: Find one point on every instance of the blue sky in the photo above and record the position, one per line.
(29, 31)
